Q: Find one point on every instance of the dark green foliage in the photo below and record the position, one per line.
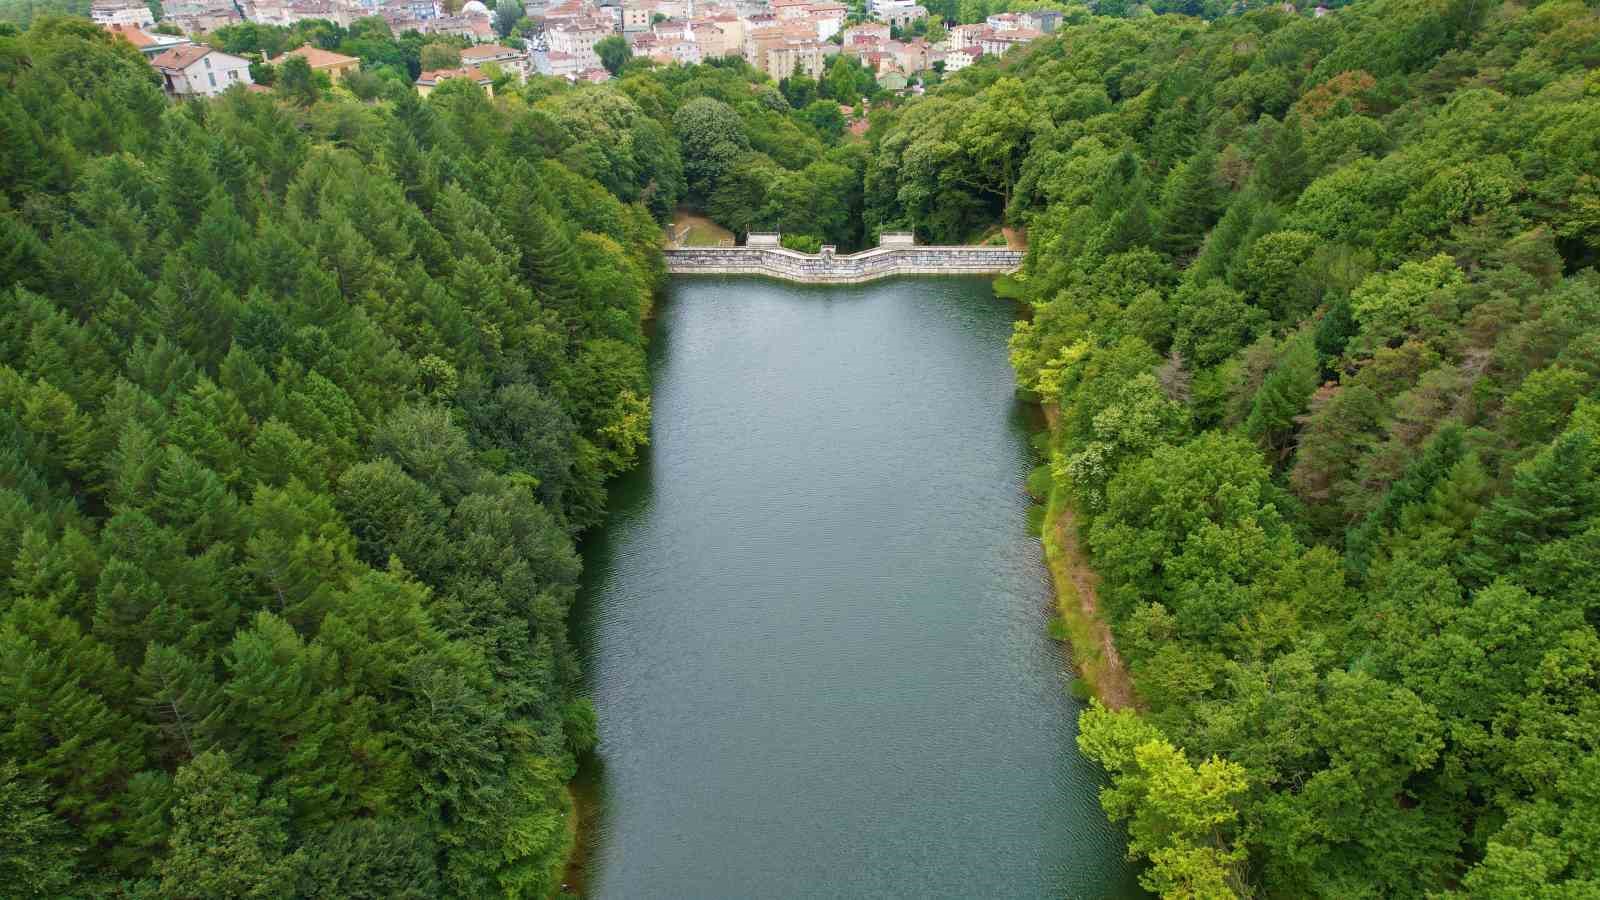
(303, 401)
(1345, 516)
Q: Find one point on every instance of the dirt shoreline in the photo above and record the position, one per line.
(1094, 653)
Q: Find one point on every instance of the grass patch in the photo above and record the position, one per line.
(1077, 622)
(1039, 483)
(1057, 629)
(1036, 520)
(1079, 689)
(1040, 442)
(702, 232)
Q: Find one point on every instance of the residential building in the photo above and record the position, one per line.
(559, 65)
(431, 79)
(577, 39)
(799, 57)
(956, 60)
(195, 16)
(712, 40)
(335, 11)
(509, 59)
(829, 18)
(121, 12)
(594, 76)
(999, 42)
(866, 33)
(676, 50)
(1044, 21)
(208, 19)
(788, 10)
(199, 71)
(912, 56)
(336, 65)
(968, 35)
(474, 28)
(672, 30)
(899, 13)
(637, 16)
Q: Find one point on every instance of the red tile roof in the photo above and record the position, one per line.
(131, 34)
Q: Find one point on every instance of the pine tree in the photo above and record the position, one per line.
(1283, 396)
(1190, 203)
(1551, 498)
(1282, 171)
(181, 698)
(1413, 488)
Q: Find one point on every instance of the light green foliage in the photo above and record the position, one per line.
(1417, 297)
(1180, 816)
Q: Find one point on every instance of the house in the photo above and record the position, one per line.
(637, 16)
(576, 38)
(676, 50)
(336, 65)
(338, 13)
(1044, 21)
(829, 18)
(912, 56)
(474, 28)
(968, 35)
(594, 76)
(1001, 41)
(899, 13)
(199, 71)
(559, 65)
(121, 12)
(808, 58)
(672, 30)
(150, 45)
(509, 59)
(866, 33)
(712, 40)
(787, 10)
(431, 79)
(956, 60)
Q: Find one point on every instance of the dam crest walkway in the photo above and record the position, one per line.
(897, 253)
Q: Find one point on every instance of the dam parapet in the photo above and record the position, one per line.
(897, 253)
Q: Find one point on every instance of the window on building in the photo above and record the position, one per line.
(212, 77)
(208, 62)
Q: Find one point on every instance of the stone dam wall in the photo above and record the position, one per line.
(828, 268)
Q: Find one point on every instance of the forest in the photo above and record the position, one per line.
(307, 392)
(302, 403)
(1313, 304)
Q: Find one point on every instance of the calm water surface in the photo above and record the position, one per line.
(815, 622)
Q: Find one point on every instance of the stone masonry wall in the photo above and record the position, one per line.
(827, 268)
